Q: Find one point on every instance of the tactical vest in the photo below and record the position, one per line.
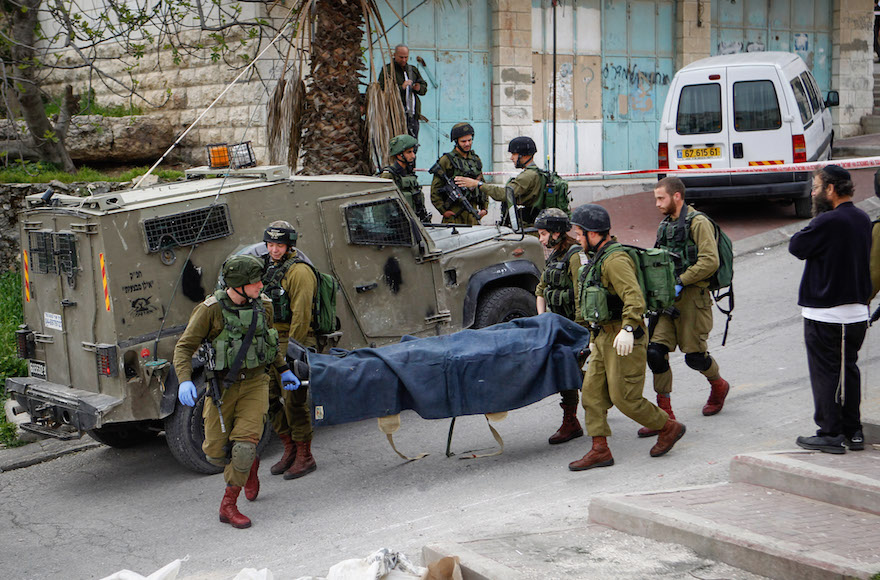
(471, 167)
(407, 183)
(272, 277)
(559, 289)
(236, 321)
(682, 246)
(598, 305)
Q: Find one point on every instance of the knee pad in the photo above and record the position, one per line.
(658, 362)
(699, 361)
(243, 455)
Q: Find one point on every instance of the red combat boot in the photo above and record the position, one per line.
(252, 487)
(665, 403)
(720, 388)
(229, 513)
(571, 427)
(287, 458)
(671, 432)
(304, 463)
(599, 456)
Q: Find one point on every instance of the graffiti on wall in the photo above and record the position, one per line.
(641, 84)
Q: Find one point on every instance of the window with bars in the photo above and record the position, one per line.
(378, 223)
(188, 228)
(51, 253)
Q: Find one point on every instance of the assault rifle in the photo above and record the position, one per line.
(453, 192)
(208, 355)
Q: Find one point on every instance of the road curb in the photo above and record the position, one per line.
(473, 565)
(40, 451)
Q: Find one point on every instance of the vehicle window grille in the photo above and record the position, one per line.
(65, 249)
(188, 228)
(378, 223)
(42, 253)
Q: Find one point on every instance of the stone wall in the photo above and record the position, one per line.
(852, 64)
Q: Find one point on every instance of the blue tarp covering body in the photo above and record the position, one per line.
(499, 368)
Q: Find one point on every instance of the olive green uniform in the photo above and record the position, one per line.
(555, 266)
(465, 166)
(527, 187)
(613, 380)
(414, 75)
(294, 417)
(408, 184)
(690, 330)
(245, 402)
(875, 260)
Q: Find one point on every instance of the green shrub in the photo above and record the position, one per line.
(10, 364)
(88, 105)
(42, 172)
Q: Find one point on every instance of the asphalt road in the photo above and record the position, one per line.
(92, 513)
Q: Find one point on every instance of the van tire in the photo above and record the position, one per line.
(803, 207)
(503, 305)
(123, 435)
(185, 433)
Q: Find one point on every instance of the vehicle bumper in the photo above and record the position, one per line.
(748, 186)
(57, 409)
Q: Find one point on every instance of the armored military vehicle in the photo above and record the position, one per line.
(109, 282)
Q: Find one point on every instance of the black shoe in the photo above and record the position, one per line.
(823, 444)
(856, 442)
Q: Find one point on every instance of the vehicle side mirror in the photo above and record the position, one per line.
(512, 214)
(833, 99)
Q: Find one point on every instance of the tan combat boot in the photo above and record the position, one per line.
(719, 391)
(599, 456)
(671, 432)
(287, 457)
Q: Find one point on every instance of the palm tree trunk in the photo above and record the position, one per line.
(333, 125)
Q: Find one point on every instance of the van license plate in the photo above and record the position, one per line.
(37, 369)
(701, 153)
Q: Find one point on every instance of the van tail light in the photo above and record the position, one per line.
(105, 356)
(799, 149)
(24, 342)
(663, 156)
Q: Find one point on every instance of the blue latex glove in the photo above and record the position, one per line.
(186, 393)
(289, 380)
(678, 288)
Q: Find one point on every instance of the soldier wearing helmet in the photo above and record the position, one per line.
(611, 300)
(243, 356)
(556, 293)
(402, 151)
(462, 161)
(291, 284)
(526, 187)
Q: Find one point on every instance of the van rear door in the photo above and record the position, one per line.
(760, 122)
(698, 138)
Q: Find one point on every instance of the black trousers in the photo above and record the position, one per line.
(412, 125)
(836, 401)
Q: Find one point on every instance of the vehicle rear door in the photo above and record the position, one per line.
(759, 131)
(698, 138)
(373, 245)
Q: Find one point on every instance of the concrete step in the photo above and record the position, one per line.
(870, 124)
(768, 532)
(850, 481)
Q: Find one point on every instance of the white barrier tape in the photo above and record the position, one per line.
(855, 163)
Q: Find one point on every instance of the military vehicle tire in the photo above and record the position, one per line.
(123, 435)
(185, 432)
(503, 305)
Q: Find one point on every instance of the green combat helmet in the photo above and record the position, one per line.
(553, 220)
(459, 130)
(242, 270)
(401, 143)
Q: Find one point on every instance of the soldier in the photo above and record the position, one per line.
(237, 321)
(556, 293)
(291, 284)
(462, 161)
(616, 372)
(410, 83)
(689, 325)
(402, 150)
(526, 186)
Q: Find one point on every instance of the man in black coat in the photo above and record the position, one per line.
(834, 294)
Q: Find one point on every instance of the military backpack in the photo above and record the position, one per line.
(655, 273)
(324, 319)
(554, 192)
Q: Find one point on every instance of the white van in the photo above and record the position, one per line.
(744, 110)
